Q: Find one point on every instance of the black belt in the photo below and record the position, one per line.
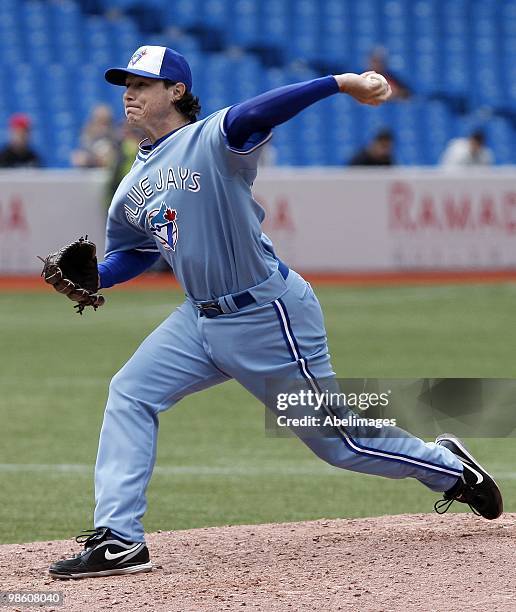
(241, 300)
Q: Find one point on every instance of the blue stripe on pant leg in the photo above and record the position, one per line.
(289, 346)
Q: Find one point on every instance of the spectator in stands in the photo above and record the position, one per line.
(469, 151)
(123, 157)
(18, 153)
(377, 153)
(378, 63)
(98, 140)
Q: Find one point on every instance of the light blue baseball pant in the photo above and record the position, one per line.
(282, 339)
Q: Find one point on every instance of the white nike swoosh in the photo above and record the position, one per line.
(479, 476)
(109, 555)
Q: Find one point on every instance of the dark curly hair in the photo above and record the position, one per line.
(188, 105)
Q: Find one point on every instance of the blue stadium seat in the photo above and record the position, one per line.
(500, 136)
(217, 13)
(183, 13)
(274, 23)
(244, 25)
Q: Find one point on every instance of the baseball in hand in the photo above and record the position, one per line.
(381, 87)
(378, 77)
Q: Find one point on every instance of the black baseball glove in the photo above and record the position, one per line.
(73, 271)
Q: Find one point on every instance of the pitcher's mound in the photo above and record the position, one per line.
(420, 562)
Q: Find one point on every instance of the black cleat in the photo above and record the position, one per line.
(103, 555)
(475, 487)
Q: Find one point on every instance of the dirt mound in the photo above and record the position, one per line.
(421, 562)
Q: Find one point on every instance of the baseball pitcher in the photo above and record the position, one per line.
(246, 315)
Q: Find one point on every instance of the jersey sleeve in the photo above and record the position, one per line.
(230, 160)
(124, 235)
(122, 266)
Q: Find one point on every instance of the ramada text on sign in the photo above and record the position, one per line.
(466, 210)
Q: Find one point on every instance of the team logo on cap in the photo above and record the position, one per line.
(162, 224)
(137, 56)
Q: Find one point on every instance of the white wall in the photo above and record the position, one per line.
(319, 219)
(41, 210)
(391, 219)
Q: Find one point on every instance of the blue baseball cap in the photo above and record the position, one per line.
(153, 63)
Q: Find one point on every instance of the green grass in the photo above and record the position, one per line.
(215, 464)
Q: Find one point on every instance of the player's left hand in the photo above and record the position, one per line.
(367, 88)
(73, 271)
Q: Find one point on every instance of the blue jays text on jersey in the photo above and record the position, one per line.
(167, 178)
(162, 220)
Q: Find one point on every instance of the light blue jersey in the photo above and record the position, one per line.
(190, 198)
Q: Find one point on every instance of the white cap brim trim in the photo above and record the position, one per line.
(117, 76)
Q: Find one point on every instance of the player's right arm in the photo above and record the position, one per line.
(253, 119)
